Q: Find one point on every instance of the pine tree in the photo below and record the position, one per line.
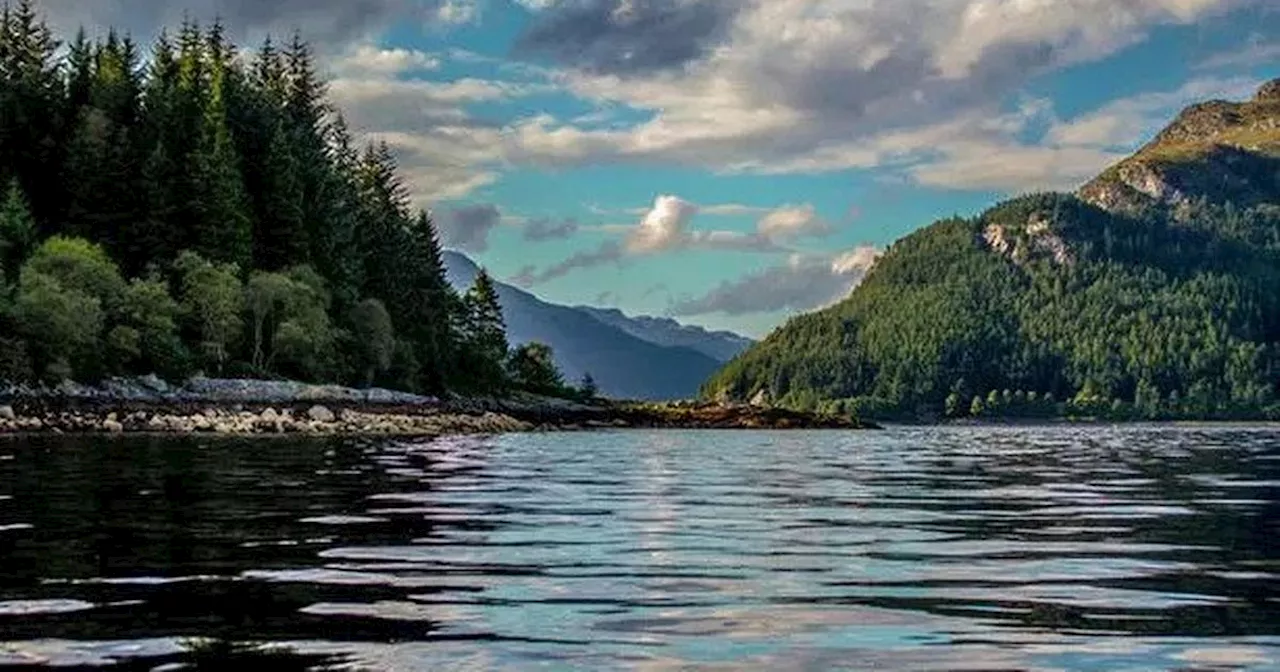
(335, 249)
(79, 75)
(221, 228)
(280, 235)
(381, 236)
(31, 111)
(486, 334)
(587, 387)
(431, 301)
(17, 232)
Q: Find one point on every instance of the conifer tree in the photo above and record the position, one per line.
(486, 346)
(17, 231)
(431, 301)
(31, 101)
(221, 228)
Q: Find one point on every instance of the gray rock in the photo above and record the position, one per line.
(269, 415)
(112, 426)
(153, 382)
(321, 414)
(6, 413)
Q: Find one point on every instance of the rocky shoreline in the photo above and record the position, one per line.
(240, 407)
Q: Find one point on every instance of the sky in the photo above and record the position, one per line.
(732, 163)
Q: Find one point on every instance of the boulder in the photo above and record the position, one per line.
(112, 426)
(6, 413)
(320, 414)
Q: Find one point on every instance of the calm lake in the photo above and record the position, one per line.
(1018, 548)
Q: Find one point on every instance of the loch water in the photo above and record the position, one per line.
(948, 548)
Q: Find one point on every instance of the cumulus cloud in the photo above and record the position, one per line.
(791, 222)
(803, 86)
(467, 228)
(329, 24)
(803, 283)
(667, 226)
(367, 59)
(664, 227)
(544, 229)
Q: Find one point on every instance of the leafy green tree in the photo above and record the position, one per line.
(305, 339)
(532, 367)
(152, 314)
(375, 337)
(211, 302)
(289, 321)
(61, 325)
(952, 406)
(79, 265)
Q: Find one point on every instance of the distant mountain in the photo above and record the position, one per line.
(622, 364)
(719, 345)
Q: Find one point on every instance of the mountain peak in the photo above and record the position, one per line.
(1269, 92)
(1218, 150)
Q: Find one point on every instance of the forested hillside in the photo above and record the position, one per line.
(202, 212)
(1047, 305)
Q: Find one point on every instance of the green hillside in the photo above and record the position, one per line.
(1047, 304)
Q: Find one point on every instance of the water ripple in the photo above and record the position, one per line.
(1064, 548)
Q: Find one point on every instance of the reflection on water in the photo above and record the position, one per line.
(1053, 548)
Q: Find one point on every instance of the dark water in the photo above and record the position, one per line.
(1144, 548)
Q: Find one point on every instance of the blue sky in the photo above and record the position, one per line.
(734, 162)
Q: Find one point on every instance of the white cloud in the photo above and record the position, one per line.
(820, 85)
(367, 59)
(536, 5)
(791, 222)
(1259, 49)
(1124, 122)
(664, 227)
(457, 11)
(804, 282)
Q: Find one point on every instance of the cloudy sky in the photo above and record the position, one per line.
(732, 162)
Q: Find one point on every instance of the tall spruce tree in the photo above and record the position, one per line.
(31, 114)
(431, 301)
(17, 231)
(486, 347)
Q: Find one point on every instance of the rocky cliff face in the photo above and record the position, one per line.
(1218, 150)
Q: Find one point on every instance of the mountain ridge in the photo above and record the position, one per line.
(1152, 299)
(622, 364)
(720, 345)
(1222, 150)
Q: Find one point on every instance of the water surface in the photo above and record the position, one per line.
(1026, 548)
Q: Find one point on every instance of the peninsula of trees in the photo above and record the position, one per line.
(196, 211)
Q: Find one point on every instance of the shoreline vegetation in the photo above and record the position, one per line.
(190, 208)
(258, 407)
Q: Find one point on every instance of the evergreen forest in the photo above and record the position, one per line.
(1045, 306)
(195, 211)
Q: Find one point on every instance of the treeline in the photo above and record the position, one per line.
(1163, 315)
(201, 212)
